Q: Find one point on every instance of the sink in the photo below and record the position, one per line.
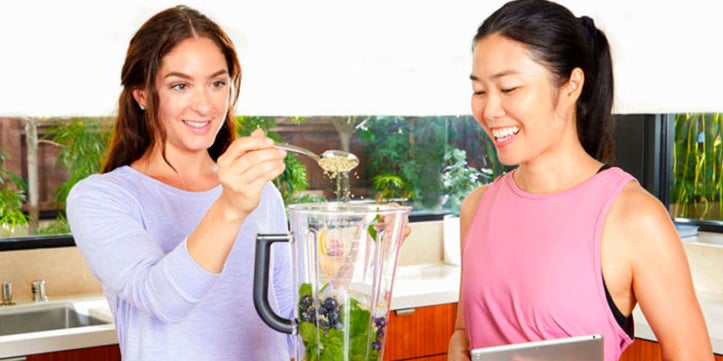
(36, 318)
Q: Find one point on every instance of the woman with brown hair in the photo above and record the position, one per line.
(169, 225)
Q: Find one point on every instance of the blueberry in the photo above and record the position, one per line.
(380, 333)
(376, 345)
(312, 314)
(330, 303)
(380, 322)
(305, 303)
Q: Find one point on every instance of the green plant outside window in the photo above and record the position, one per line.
(697, 182)
(431, 163)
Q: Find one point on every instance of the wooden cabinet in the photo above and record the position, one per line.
(644, 350)
(420, 334)
(100, 353)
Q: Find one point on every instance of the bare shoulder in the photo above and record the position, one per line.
(469, 208)
(640, 218)
(471, 202)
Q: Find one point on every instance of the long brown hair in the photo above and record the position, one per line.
(137, 130)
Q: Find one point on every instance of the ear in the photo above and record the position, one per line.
(573, 88)
(140, 96)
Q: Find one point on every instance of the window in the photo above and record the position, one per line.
(428, 162)
(696, 189)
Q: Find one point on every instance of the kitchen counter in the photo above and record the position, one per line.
(415, 286)
(425, 285)
(712, 306)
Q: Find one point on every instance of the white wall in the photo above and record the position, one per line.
(334, 57)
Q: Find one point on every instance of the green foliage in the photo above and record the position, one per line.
(328, 344)
(389, 153)
(392, 187)
(460, 179)
(697, 189)
(387, 144)
(58, 226)
(429, 147)
(372, 230)
(416, 158)
(12, 196)
(84, 142)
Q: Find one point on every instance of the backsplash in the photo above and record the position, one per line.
(67, 274)
(705, 256)
(63, 269)
(424, 244)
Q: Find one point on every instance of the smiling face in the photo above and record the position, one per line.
(516, 101)
(194, 94)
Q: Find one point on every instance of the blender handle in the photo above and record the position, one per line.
(261, 284)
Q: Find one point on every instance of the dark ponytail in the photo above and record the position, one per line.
(595, 123)
(562, 42)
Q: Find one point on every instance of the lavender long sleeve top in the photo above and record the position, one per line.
(132, 231)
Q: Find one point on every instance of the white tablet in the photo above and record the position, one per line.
(578, 348)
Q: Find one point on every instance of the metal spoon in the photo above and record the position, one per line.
(331, 160)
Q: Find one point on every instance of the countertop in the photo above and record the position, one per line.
(712, 306)
(415, 286)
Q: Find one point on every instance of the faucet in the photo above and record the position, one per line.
(38, 287)
(7, 291)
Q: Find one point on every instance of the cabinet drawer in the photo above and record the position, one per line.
(420, 332)
(644, 350)
(100, 353)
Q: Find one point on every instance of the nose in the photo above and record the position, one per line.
(492, 107)
(201, 102)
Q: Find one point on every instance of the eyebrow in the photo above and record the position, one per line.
(495, 76)
(186, 76)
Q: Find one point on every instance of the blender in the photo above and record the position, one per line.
(344, 255)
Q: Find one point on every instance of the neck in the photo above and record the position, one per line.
(552, 174)
(190, 172)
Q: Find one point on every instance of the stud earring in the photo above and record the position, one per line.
(142, 106)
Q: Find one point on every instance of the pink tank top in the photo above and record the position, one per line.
(531, 265)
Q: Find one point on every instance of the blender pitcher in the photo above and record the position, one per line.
(344, 256)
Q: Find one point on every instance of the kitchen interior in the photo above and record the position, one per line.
(659, 84)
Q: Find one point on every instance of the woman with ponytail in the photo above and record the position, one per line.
(564, 245)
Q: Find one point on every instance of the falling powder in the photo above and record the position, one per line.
(333, 165)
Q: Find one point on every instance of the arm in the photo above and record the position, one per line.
(107, 222)
(459, 343)
(244, 169)
(661, 279)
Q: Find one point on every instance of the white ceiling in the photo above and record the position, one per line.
(312, 57)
